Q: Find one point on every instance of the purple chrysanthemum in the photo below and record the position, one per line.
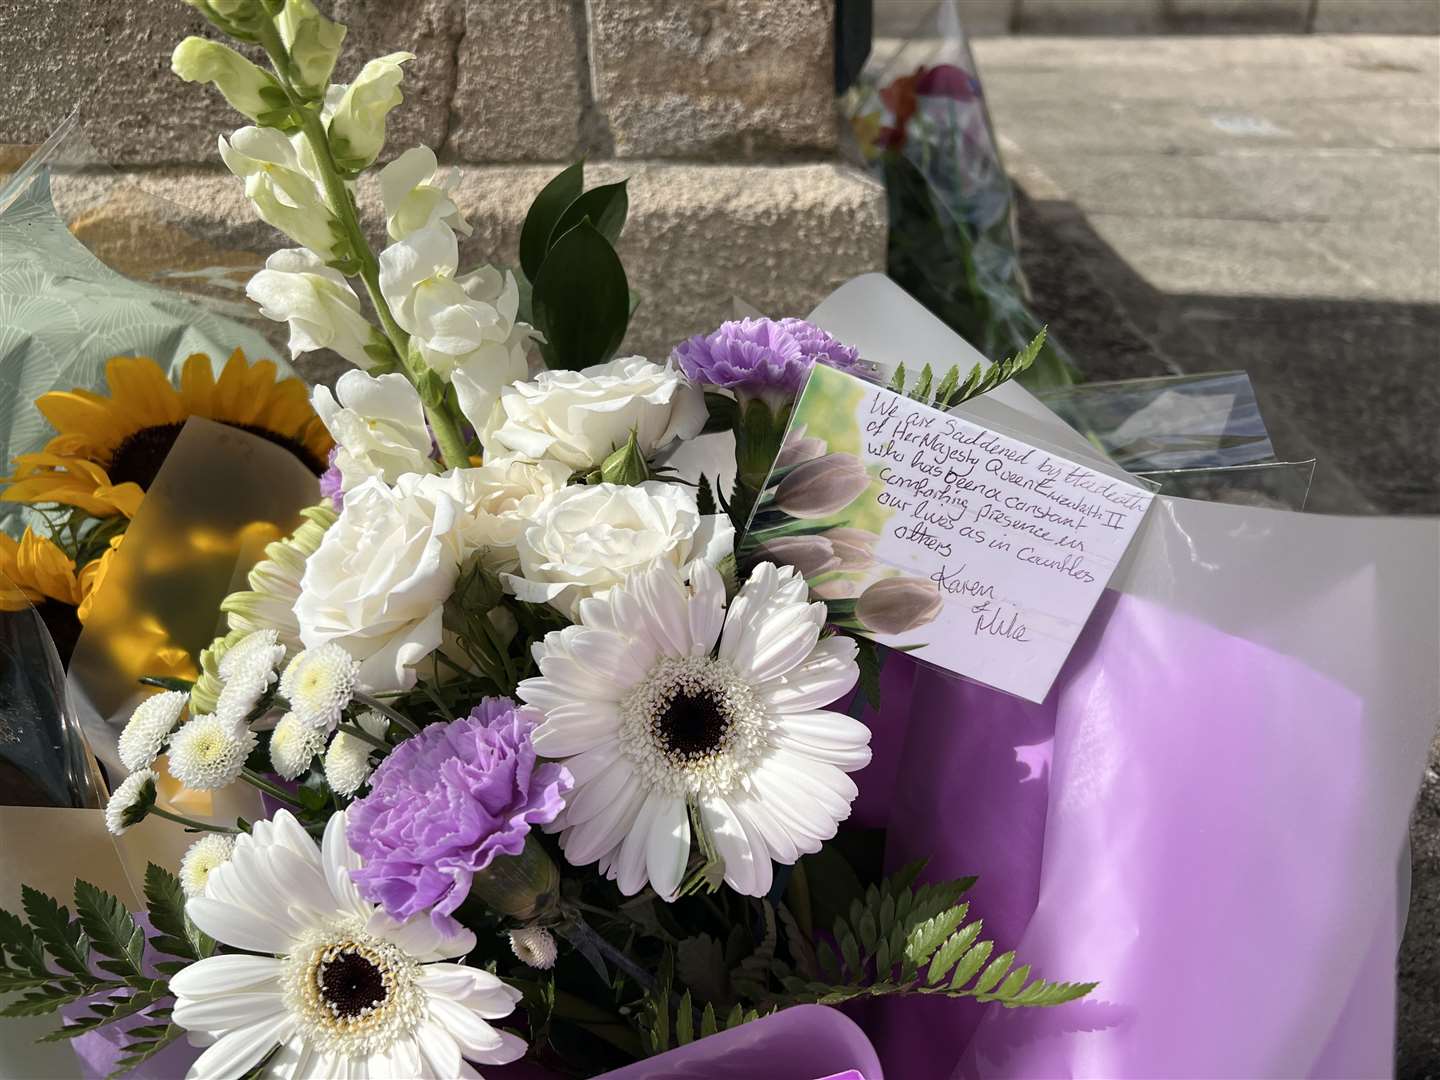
(762, 357)
(446, 802)
(331, 481)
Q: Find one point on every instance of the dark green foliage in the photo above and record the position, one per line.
(57, 960)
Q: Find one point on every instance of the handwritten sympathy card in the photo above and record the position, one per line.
(964, 546)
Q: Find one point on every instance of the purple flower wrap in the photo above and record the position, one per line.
(446, 802)
(762, 357)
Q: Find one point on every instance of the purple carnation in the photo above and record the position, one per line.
(446, 802)
(330, 482)
(762, 357)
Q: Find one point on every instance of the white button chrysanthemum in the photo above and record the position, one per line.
(131, 801)
(340, 988)
(660, 699)
(347, 761)
(293, 745)
(148, 728)
(203, 856)
(535, 946)
(319, 684)
(261, 648)
(208, 753)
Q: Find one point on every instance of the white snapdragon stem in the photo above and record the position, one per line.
(444, 426)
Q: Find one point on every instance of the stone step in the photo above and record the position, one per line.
(984, 18)
(780, 237)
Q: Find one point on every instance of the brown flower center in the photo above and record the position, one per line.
(139, 456)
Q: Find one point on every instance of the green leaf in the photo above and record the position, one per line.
(112, 929)
(685, 1021)
(921, 389)
(970, 963)
(165, 902)
(705, 496)
(605, 206)
(707, 1021)
(932, 933)
(993, 974)
(544, 212)
(955, 945)
(897, 380)
(137, 1053)
(581, 300)
(64, 939)
(867, 656)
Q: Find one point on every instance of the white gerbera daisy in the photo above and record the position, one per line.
(210, 851)
(342, 989)
(131, 801)
(208, 752)
(293, 745)
(148, 728)
(319, 684)
(651, 717)
(347, 762)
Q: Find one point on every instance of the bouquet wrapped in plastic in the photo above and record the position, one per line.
(552, 731)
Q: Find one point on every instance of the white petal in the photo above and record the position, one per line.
(826, 675)
(240, 928)
(667, 613)
(668, 848)
(606, 830)
(226, 1012)
(707, 607)
(577, 727)
(631, 865)
(477, 1039)
(439, 1048)
(216, 975)
(590, 798)
(742, 870)
(236, 1052)
(419, 937)
(294, 1060)
(339, 860)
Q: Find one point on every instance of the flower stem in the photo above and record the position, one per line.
(274, 791)
(342, 204)
(190, 823)
(387, 712)
(357, 732)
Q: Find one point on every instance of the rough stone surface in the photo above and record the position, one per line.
(519, 79)
(1090, 16)
(1377, 16)
(714, 78)
(698, 236)
(112, 59)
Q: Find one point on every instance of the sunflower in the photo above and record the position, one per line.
(35, 571)
(108, 450)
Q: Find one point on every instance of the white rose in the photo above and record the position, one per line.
(319, 304)
(579, 417)
(356, 113)
(377, 583)
(464, 326)
(501, 498)
(584, 540)
(415, 196)
(285, 194)
(378, 425)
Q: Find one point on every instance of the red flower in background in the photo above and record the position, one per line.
(902, 96)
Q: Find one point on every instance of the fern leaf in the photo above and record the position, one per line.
(685, 1021)
(707, 1020)
(897, 381)
(951, 951)
(970, 963)
(993, 973)
(63, 937)
(112, 930)
(921, 390)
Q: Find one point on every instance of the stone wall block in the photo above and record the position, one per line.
(112, 59)
(518, 90)
(731, 79)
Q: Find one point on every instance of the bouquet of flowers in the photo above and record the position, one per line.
(548, 773)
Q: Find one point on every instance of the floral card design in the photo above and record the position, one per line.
(969, 548)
